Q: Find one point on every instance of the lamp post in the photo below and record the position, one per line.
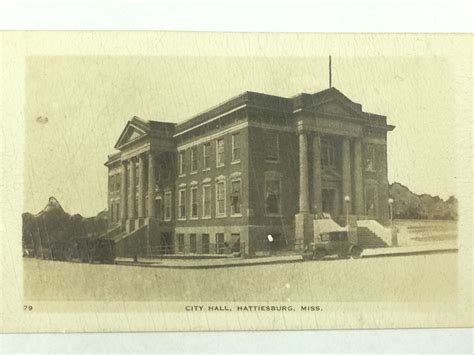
(347, 199)
(390, 204)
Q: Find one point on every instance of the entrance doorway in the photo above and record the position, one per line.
(329, 204)
(166, 243)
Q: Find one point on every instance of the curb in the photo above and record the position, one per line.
(406, 253)
(208, 266)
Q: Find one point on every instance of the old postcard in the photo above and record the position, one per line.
(218, 181)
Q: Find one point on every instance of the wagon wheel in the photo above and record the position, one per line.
(319, 254)
(356, 252)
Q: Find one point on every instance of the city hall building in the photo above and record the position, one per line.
(255, 165)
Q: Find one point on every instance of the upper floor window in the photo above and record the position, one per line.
(206, 200)
(181, 163)
(168, 206)
(162, 168)
(112, 211)
(328, 154)
(194, 159)
(272, 196)
(158, 212)
(182, 204)
(220, 198)
(271, 146)
(206, 155)
(194, 202)
(117, 182)
(117, 211)
(111, 182)
(236, 147)
(235, 207)
(220, 152)
(370, 157)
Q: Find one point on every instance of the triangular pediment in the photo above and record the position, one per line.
(335, 107)
(131, 133)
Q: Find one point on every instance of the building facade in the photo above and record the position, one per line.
(258, 164)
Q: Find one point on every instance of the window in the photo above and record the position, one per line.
(220, 198)
(194, 202)
(180, 243)
(220, 152)
(370, 157)
(206, 200)
(112, 211)
(205, 244)
(235, 207)
(194, 159)
(117, 182)
(371, 201)
(206, 155)
(271, 146)
(235, 243)
(324, 237)
(328, 154)
(117, 211)
(112, 183)
(272, 196)
(181, 163)
(166, 243)
(220, 244)
(168, 206)
(236, 147)
(192, 243)
(182, 204)
(158, 208)
(162, 170)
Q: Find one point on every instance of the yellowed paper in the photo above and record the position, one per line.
(264, 155)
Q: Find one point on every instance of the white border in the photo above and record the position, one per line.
(240, 15)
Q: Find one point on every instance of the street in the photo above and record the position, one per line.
(414, 278)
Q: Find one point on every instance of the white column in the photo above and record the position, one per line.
(151, 185)
(304, 183)
(317, 190)
(358, 188)
(123, 193)
(133, 190)
(141, 186)
(346, 172)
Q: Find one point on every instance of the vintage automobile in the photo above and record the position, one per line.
(332, 243)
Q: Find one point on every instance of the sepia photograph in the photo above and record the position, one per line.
(312, 188)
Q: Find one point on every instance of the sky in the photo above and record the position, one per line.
(87, 101)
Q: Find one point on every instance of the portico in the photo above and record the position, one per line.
(138, 192)
(332, 146)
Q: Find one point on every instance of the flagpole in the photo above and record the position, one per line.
(330, 73)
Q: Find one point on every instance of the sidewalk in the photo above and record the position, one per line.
(232, 262)
(411, 250)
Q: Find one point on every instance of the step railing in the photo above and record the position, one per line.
(162, 250)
